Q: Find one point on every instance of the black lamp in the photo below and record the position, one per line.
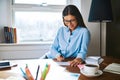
(100, 11)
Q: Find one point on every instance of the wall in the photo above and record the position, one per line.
(3, 17)
(18, 51)
(113, 31)
(94, 48)
(22, 51)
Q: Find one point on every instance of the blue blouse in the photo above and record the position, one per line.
(70, 45)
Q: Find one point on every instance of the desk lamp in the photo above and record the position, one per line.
(100, 11)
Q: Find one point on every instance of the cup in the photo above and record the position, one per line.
(91, 69)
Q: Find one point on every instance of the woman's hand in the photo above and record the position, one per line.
(60, 58)
(76, 62)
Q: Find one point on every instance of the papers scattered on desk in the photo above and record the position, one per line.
(113, 68)
(63, 63)
(94, 60)
(60, 73)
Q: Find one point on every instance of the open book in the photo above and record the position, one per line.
(94, 60)
(113, 68)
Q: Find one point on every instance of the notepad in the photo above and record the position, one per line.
(113, 68)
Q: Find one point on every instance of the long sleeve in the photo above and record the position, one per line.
(84, 45)
(67, 45)
(55, 47)
(54, 50)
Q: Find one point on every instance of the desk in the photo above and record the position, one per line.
(57, 72)
(105, 75)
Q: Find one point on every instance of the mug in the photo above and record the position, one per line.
(91, 69)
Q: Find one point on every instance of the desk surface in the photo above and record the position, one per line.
(105, 75)
(57, 72)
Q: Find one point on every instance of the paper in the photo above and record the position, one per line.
(60, 73)
(94, 60)
(113, 68)
(63, 63)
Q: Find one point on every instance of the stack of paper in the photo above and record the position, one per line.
(113, 68)
(94, 60)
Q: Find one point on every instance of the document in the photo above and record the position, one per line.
(63, 63)
(60, 73)
(113, 68)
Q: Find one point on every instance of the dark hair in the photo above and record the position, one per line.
(73, 10)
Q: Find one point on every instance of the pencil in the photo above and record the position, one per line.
(44, 72)
(37, 72)
(48, 68)
(28, 73)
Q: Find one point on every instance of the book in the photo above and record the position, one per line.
(94, 60)
(113, 68)
(6, 34)
(15, 35)
(10, 34)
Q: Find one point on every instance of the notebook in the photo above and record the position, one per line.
(113, 68)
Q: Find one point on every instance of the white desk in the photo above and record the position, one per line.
(56, 72)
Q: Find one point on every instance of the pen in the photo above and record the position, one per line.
(24, 74)
(37, 72)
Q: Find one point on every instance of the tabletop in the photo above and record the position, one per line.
(57, 72)
(105, 75)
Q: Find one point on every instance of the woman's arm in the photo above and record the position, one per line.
(84, 45)
(83, 51)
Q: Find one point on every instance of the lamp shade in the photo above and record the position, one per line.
(100, 11)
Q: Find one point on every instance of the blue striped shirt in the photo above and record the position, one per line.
(70, 45)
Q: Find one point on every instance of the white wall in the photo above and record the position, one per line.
(93, 27)
(22, 51)
(94, 48)
(17, 51)
(5, 18)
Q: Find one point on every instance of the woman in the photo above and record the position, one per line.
(71, 40)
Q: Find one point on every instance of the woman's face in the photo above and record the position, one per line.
(70, 21)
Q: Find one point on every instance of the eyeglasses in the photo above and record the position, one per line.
(69, 21)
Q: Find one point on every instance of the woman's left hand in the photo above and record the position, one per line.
(76, 62)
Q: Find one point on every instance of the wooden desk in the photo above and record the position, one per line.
(56, 71)
(105, 75)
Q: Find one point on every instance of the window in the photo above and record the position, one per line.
(38, 20)
(50, 2)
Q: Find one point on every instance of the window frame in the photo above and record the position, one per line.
(35, 7)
